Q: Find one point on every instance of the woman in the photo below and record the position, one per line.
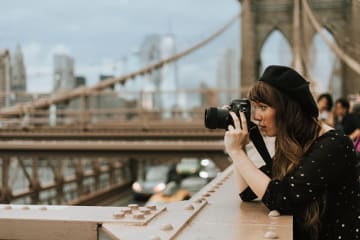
(313, 175)
(325, 103)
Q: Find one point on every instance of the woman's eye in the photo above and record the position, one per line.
(263, 107)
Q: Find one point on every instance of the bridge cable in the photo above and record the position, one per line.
(149, 68)
(83, 91)
(352, 63)
(296, 36)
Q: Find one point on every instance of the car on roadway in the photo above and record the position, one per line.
(154, 181)
(172, 193)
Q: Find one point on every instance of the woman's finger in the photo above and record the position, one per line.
(243, 121)
(227, 107)
(236, 120)
(230, 127)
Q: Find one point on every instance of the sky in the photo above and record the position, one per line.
(99, 35)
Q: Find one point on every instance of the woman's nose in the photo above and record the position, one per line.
(257, 115)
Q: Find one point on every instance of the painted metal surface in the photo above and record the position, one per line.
(216, 212)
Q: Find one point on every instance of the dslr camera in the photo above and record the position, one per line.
(221, 118)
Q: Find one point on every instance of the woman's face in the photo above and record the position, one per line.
(322, 104)
(265, 115)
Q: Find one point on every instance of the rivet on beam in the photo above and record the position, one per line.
(119, 215)
(274, 213)
(189, 207)
(167, 227)
(270, 235)
(139, 216)
(151, 207)
(133, 206)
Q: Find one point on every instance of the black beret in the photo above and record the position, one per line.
(292, 84)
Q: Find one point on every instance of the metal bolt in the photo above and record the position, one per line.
(167, 227)
(189, 207)
(139, 216)
(133, 206)
(126, 210)
(144, 210)
(274, 213)
(151, 207)
(270, 235)
(119, 215)
(43, 208)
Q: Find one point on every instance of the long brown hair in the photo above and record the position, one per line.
(296, 132)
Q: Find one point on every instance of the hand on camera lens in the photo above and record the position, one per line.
(237, 136)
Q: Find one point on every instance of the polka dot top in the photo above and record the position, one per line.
(326, 177)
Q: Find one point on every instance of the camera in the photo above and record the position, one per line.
(221, 118)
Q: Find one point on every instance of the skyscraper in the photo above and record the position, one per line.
(18, 74)
(150, 54)
(168, 85)
(227, 76)
(64, 78)
(160, 86)
(5, 73)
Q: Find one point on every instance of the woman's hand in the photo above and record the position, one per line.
(355, 134)
(236, 138)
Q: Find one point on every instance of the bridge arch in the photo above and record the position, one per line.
(337, 16)
(323, 65)
(275, 44)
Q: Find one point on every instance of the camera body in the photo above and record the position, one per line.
(220, 118)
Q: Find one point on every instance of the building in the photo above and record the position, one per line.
(228, 76)
(159, 88)
(64, 78)
(18, 72)
(169, 84)
(5, 74)
(80, 81)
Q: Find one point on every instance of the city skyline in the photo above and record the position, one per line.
(99, 36)
(105, 38)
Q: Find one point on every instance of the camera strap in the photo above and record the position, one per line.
(259, 143)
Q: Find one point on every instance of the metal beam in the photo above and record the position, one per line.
(216, 212)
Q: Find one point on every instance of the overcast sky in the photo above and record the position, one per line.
(99, 34)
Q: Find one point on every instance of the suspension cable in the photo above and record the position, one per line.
(296, 38)
(45, 102)
(173, 58)
(352, 63)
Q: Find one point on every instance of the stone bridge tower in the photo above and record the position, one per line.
(261, 17)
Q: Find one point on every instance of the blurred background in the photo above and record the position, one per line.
(102, 103)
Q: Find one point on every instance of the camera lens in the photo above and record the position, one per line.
(217, 118)
(211, 118)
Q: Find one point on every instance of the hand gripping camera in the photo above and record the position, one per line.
(220, 118)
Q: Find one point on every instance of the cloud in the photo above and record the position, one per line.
(59, 49)
(92, 33)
